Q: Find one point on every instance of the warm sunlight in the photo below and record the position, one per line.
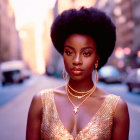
(63, 5)
(33, 20)
(35, 12)
(30, 10)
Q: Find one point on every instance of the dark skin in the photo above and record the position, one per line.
(79, 51)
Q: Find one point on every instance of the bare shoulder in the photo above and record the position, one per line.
(121, 106)
(34, 118)
(36, 104)
(36, 98)
(121, 121)
(121, 111)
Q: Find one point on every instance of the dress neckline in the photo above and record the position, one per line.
(93, 118)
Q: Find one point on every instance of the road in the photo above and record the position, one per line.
(10, 91)
(121, 90)
(14, 108)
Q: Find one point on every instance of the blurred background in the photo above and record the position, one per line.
(29, 62)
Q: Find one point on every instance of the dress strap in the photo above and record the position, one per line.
(108, 106)
(46, 99)
(113, 99)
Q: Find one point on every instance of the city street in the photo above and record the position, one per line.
(15, 101)
(10, 91)
(97, 33)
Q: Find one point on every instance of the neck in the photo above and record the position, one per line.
(81, 85)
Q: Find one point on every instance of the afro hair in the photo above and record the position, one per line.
(88, 21)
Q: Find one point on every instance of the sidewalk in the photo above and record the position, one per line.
(13, 116)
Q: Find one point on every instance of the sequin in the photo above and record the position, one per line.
(99, 128)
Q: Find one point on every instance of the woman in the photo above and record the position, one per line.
(79, 110)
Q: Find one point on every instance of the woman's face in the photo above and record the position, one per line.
(80, 56)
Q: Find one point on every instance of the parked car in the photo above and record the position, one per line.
(133, 79)
(13, 72)
(110, 74)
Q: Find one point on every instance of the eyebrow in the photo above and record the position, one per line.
(69, 47)
(88, 47)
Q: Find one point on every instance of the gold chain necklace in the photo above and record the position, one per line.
(76, 107)
(76, 96)
(80, 92)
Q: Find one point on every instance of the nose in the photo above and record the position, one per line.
(77, 60)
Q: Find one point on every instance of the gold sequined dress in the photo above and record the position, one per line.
(99, 128)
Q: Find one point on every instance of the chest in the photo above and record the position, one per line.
(90, 123)
(76, 121)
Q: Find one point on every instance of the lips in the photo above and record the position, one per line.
(77, 71)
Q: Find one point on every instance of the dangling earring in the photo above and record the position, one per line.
(65, 74)
(96, 73)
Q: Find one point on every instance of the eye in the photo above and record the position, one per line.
(68, 52)
(86, 53)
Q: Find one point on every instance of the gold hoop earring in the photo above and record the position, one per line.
(96, 73)
(65, 74)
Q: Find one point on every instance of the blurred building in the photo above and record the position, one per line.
(27, 35)
(125, 14)
(9, 39)
(136, 17)
(52, 56)
(35, 39)
(124, 23)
